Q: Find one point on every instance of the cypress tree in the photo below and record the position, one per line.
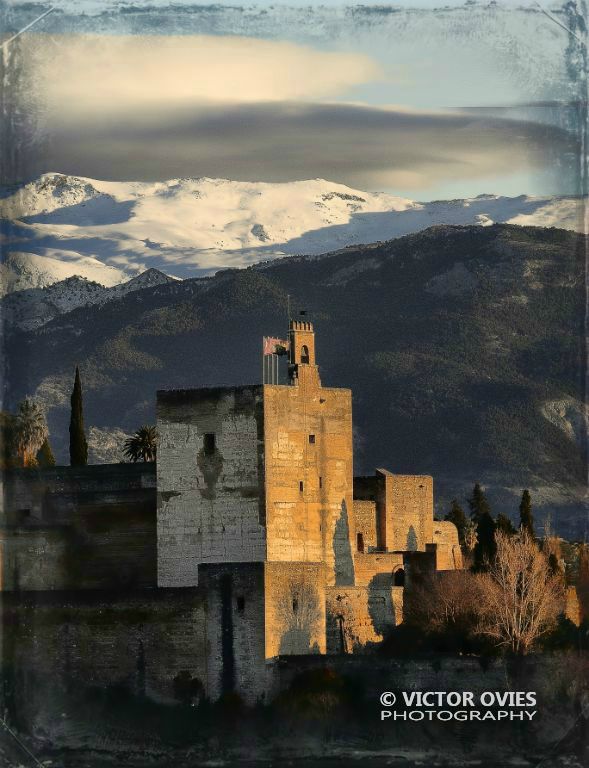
(485, 548)
(78, 444)
(526, 520)
(456, 515)
(478, 503)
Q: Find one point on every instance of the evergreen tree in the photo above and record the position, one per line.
(486, 547)
(505, 525)
(478, 503)
(526, 520)
(456, 515)
(78, 444)
(45, 457)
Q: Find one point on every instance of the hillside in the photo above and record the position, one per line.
(34, 307)
(463, 346)
(109, 231)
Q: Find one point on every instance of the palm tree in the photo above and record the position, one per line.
(30, 433)
(142, 445)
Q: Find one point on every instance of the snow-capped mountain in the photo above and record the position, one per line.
(22, 271)
(109, 231)
(32, 308)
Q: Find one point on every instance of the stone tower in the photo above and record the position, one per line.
(255, 488)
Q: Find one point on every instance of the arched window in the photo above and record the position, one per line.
(304, 354)
(399, 578)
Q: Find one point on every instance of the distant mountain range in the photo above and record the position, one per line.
(59, 226)
(464, 347)
(32, 308)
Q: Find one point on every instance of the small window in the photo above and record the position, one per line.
(241, 604)
(305, 354)
(320, 481)
(209, 443)
(301, 486)
(295, 605)
(360, 542)
(312, 439)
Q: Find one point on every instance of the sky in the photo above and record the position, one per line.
(418, 102)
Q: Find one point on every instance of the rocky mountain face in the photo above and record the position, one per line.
(26, 310)
(464, 347)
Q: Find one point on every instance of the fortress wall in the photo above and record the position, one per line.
(366, 523)
(377, 569)
(308, 462)
(440, 672)
(408, 504)
(294, 608)
(51, 495)
(34, 559)
(79, 528)
(448, 551)
(140, 641)
(362, 615)
(210, 490)
(235, 653)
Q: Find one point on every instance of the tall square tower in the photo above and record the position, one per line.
(255, 488)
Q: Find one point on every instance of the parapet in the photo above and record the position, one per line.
(300, 325)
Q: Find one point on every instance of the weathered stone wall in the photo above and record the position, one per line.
(308, 461)
(366, 525)
(79, 528)
(360, 615)
(375, 675)
(51, 495)
(141, 641)
(210, 489)
(377, 568)
(235, 630)
(407, 504)
(448, 551)
(295, 608)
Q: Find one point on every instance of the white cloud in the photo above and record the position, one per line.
(115, 74)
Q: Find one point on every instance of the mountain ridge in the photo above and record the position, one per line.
(194, 227)
(463, 347)
(34, 307)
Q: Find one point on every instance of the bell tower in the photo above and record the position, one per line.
(302, 366)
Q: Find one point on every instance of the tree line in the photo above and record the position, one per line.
(510, 597)
(24, 436)
(477, 534)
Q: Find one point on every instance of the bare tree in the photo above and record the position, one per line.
(524, 597)
(448, 602)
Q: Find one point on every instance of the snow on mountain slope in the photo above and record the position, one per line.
(32, 308)
(21, 271)
(191, 227)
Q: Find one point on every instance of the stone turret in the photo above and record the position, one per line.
(302, 367)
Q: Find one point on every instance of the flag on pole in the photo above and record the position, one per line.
(273, 346)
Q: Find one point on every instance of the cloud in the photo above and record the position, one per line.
(116, 74)
(360, 146)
